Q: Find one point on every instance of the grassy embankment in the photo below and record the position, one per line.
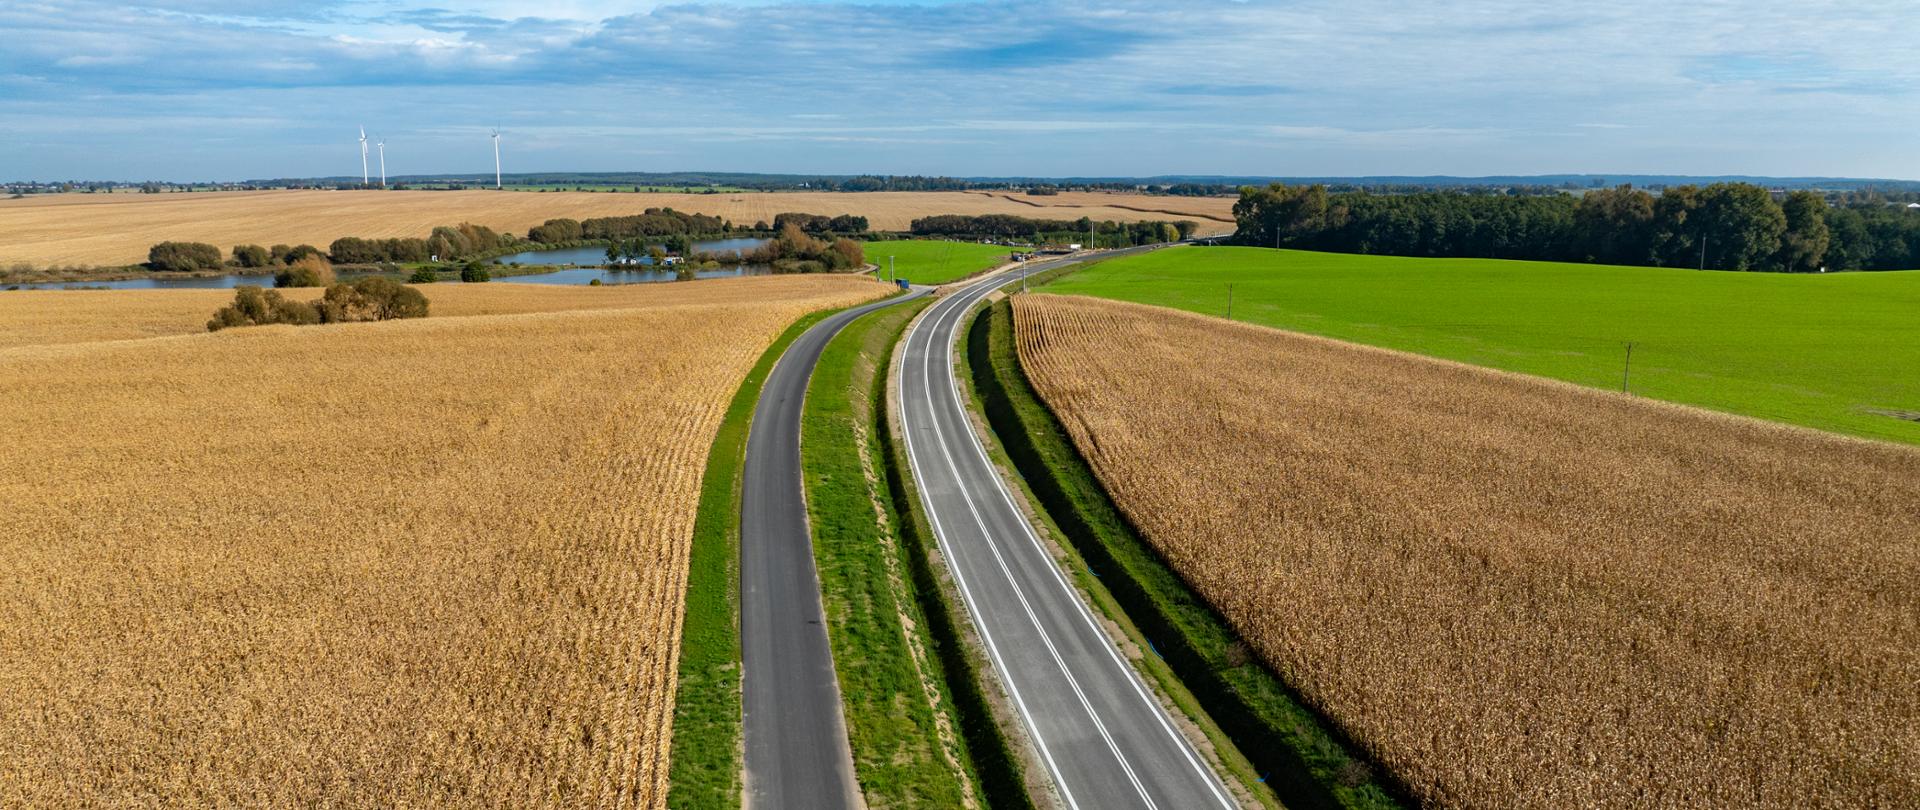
(921, 732)
(706, 723)
(1823, 351)
(1286, 747)
(925, 261)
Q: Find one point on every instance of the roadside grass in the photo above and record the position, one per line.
(928, 261)
(906, 747)
(1279, 750)
(1823, 351)
(706, 758)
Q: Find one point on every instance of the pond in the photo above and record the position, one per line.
(632, 274)
(588, 259)
(635, 274)
(594, 256)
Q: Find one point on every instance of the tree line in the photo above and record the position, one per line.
(1723, 226)
(1084, 229)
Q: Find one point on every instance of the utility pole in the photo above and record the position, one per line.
(1626, 374)
(893, 274)
(1703, 251)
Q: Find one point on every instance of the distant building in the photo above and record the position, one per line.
(1913, 208)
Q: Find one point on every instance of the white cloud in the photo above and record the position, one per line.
(1014, 86)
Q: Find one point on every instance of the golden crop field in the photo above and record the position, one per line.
(427, 563)
(116, 229)
(1516, 592)
(44, 317)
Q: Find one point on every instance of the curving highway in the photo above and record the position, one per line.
(796, 739)
(1103, 738)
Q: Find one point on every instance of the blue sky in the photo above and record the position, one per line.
(224, 89)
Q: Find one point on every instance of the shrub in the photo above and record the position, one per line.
(251, 256)
(475, 272)
(370, 299)
(253, 306)
(183, 256)
(847, 254)
(424, 275)
(309, 271)
(594, 283)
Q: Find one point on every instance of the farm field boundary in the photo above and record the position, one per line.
(1291, 750)
(706, 764)
(1822, 351)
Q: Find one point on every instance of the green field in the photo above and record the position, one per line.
(1839, 352)
(935, 262)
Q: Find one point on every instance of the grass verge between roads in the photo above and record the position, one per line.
(1825, 351)
(1294, 752)
(929, 261)
(706, 714)
(906, 749)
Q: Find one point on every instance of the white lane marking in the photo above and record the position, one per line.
(1026, 606)
(939, 532)
(1159, 712)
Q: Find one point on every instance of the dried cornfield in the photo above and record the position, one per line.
(1516, 592)
(117, 229)
(434, 562)
(44, 317)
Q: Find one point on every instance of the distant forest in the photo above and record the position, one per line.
(1723, 226)
(1174, 185)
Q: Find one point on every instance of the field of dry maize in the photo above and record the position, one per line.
(44, 230)
(428, 563)
(1515, 592)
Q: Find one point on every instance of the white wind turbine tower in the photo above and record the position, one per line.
(382, 145)
(496, 158)
(363, 156)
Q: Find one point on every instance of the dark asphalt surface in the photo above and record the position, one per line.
(796, 739)
(1104, 740)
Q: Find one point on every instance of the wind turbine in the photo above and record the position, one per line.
(496, 158)
(383, 161)
(363, 156)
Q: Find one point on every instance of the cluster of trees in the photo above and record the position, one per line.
(1726, 226)
(355, 250)
(464, 239)
(820, 224)
(369, 299)
(1007, 226)
(793, 251)
(183, 257)
(653, 222)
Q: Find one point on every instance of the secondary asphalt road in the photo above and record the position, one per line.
(1106, 741)
(797, 754)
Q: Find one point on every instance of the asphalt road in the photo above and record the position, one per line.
(796, 738)
(1105, 740)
